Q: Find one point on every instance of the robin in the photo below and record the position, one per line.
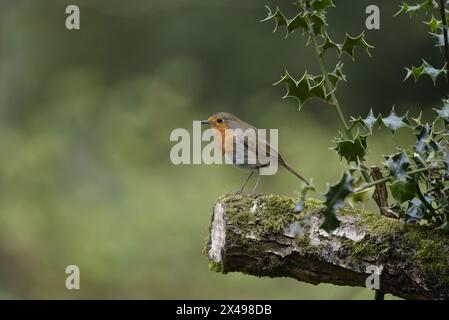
(224, 123)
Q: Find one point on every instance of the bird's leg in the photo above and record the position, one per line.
(246, 181)
(257, 182)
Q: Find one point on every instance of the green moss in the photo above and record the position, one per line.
(380, 232)
(305, 246)
(429, 246)
(266, 214)
(431, 251)
(312, 205)
(216, 266)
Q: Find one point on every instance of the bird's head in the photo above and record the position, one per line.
(222, 120)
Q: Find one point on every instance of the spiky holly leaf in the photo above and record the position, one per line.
(398, 165)
(429, 5)
(370, 121)
(434, 24)
(291, 25)
(415, 211)
(439, 39)
(307, 88)
(329, 44)
(351, 43)
(423, 139)
(443, 113)
(426, 6)
(322, 5)
(298, 22)
(348, 46)
(403, 190)
(394, 122)
(317, 5)
(417, 120)
(351, 150)
(277, 16)
(425, 69)
(334, 200)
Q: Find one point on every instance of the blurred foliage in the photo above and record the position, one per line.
(85, 118)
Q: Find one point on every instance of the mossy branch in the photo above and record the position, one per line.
(261, 235)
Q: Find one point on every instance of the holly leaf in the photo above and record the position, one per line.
(291, 25)
(398, 165)
(277, 16)
(307, 88)
(322, 5)
(425, 69)
(334, 200)
(298, 22)
(440, 39)
(348, 46)
(329, 44)
(369, 122)
(443, 113)
(352, 150)
(426, 6)
(316, 5)
(423, 139)
(403, 190)
(394, 122)
(434, 24)
(351, 43)
(416, 210)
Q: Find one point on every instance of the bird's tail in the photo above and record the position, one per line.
(289, 168)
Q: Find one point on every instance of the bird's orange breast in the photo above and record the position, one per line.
(226, 140)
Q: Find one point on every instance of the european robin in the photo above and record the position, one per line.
(224, 123)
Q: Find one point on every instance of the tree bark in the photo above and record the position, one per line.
(261, 235)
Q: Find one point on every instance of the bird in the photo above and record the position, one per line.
(222, 122)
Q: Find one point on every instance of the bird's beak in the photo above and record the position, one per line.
(205, 122)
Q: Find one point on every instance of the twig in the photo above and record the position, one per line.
(387, 179)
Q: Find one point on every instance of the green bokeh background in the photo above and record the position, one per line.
(85, 120)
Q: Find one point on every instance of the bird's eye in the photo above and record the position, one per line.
(219, 120)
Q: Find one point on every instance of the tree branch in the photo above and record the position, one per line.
(261, 235)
